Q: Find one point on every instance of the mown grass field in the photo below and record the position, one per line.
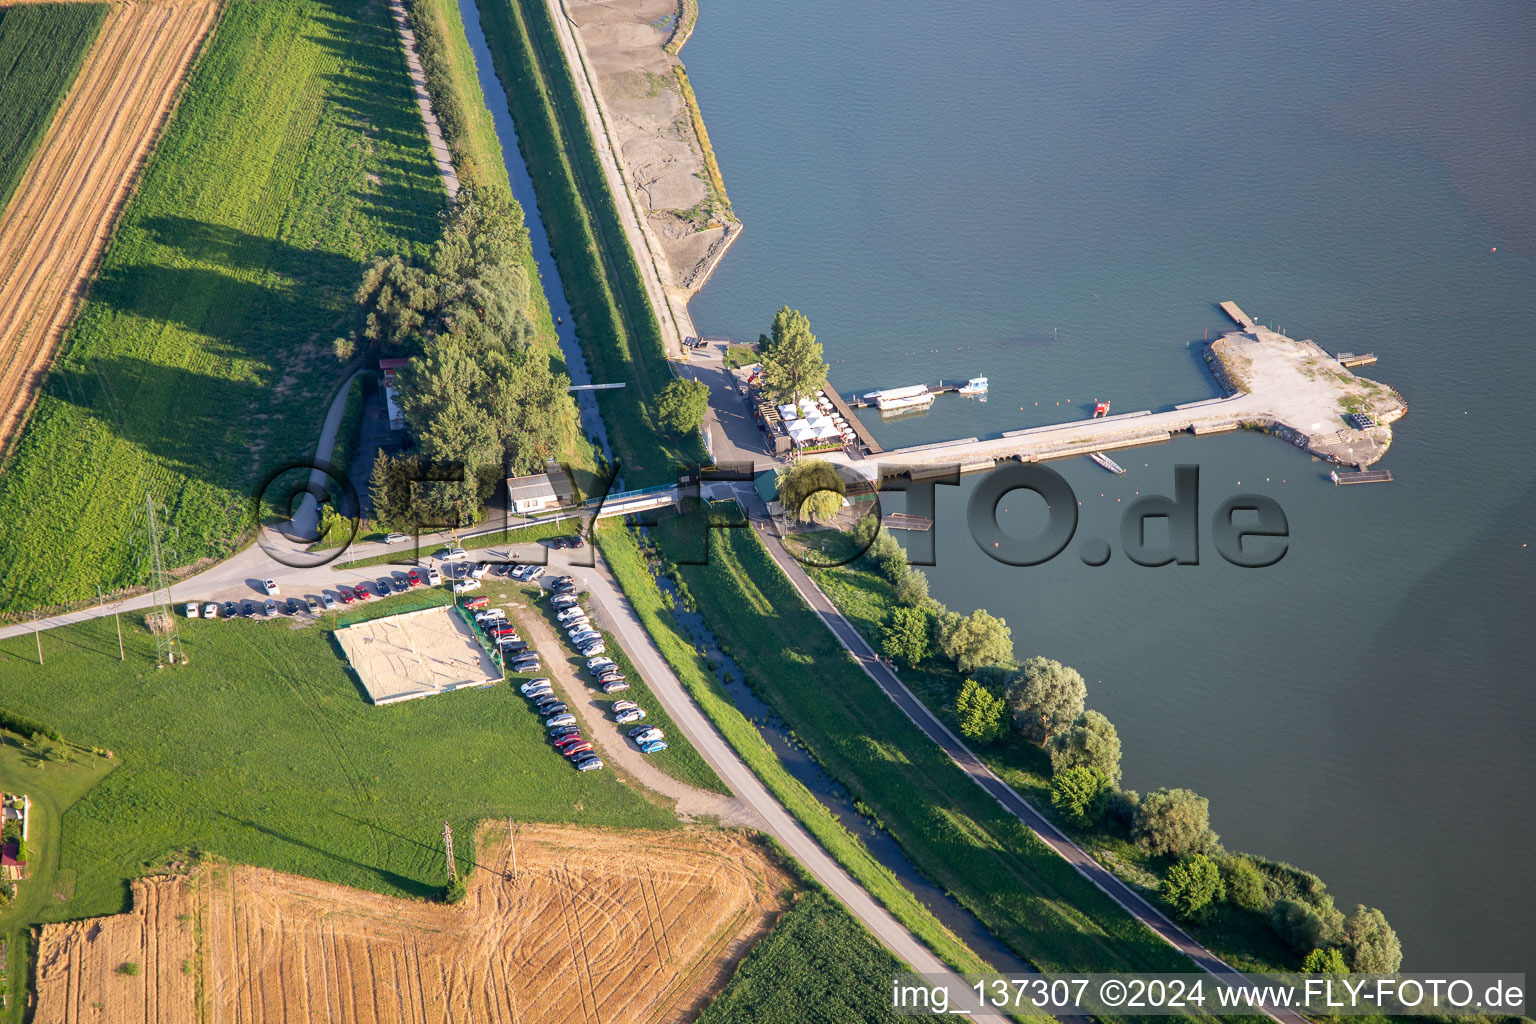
(201, 359)
(952, 830)
(654, 609)
(613, 317)
(263, 750)
(41, 49)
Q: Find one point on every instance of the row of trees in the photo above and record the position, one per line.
(480, 401)
(1044, 702)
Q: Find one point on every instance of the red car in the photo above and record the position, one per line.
(576, 748)
(566, 741)
(501, 630)
(414, 577)
(361, 591)
(477, 602)
(346, 595)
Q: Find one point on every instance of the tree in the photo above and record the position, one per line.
(390, 488)
(1372, 944)
(975, 640)
(527, 403)
(1045, 697)
(983, 714)
(681, 405)
(904, 637)
(1092, 740)
(1192, 885)
(811, 490)
(792, 363)
(1325, 961)
(456, 890)
(1174, 822)
(1245, 883)
(912, 588)
(1080, 793)
(1304, 927)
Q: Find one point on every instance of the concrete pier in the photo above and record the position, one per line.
(1292, 389)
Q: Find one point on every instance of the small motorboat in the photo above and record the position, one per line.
(974, 386)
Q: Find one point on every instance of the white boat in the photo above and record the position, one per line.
(902, 398)
(1105, 461)
(974, 386)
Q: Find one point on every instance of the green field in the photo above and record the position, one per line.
(201, 359)
(637, 578)
(41, 49)
(817, 966)
(263, 750)
(952, 830)
(613, 316)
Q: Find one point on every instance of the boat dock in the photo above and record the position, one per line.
(903, 521)
(1242, 319)
(871, 446)
(1350, 359)
(1368, 476)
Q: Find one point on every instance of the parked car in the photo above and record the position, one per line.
(345, 593)
(577, 542)
(478, 570)
(612, 675)
(653, 747)
(294, 606)
(594, 664)
(271, 607)
(591, 764)
(564, 588)
(454, 555)
(595, 647)
(247, 609)
(362, 591)
(559, 732)
(512, 648)
(477, 602)
(632, 715)
(564, 601)
(500, 569)
(328, 601)
(624, 705)
(191, 610)
(465, 586)
(553, 708)
(270, 587)
(383, 586)
(577, 748)
(311, 604)
(526, 663)
(230, 611)
(643, 733)
(397, 538)
(532, 683)
(534, 572)
(615, 686)
(434, 577)
(572, 738)
(582, 632)
(413, 578)
(565, 719)
(567, 614)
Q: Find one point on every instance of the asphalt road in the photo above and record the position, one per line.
(888, 681)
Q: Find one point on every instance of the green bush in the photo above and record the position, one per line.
(1192, 885)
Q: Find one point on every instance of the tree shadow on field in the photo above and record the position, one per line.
(413, 886)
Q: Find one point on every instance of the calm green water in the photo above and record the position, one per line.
(1056, 196)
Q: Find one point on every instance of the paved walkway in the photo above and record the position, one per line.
(440, 151)
(853, 641)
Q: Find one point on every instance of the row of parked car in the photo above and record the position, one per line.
(384, 586)
(564, 733)
(589, 641)
(516, 652)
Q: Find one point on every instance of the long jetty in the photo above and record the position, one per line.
(1289, 388)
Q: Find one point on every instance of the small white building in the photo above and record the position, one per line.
(540, 492)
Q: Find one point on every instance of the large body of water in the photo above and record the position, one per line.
(1056, 195)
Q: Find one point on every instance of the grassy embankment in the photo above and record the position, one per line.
(953, 831)
(405, 555)
(200, 360)
(654, 609)
(263, 750)
(619, 332)
(680, 760)
(41, 49)
(1243, 938)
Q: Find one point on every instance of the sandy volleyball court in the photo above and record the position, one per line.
(54, 229)
(598, 926)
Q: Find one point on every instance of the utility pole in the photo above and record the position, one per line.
(169, 641)
(512, 844)
(117, 616)
(453, 868)
(37, 633)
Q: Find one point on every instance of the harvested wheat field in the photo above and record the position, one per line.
(54, 229)
(610, 926)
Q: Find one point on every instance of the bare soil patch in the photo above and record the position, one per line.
(54, 230)
(610, 926)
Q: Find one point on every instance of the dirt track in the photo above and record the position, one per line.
(602, 926)
(53, 232)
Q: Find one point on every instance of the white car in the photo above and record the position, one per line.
(327, 600)
(534, 572)
(191, 609)
(271, 587)
(434, 577)
(455, 555)
(533, 684)
(489, 614)
(477, 571)
(397, 538)
(465, 586)
(581, 636)
(211, 610)
(573, 612)
(597, 664)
